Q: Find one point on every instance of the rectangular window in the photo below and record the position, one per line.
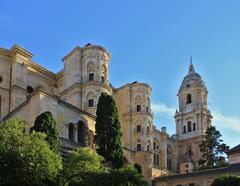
(139, 147)
(90, 103)
(138, 108)
(147, 109)
(91, 77)
(139, 128)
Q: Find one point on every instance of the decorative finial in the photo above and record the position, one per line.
(191, 67)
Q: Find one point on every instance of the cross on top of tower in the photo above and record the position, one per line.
(191, 67)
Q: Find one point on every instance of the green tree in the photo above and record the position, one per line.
(108, 132)
(26, 159)
(81, 163)
(46, 123)
(127, 176)
(212, 149)
(227, 181)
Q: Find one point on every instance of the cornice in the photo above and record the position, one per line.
(18, 49)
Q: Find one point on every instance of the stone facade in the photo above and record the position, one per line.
(27, 89)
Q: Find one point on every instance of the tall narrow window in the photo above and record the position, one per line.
(194, 126)
(189, 126)
(189, 98)
(154, 145)
(81, 133)
(71, 131)
(184, 129)
(91, 77)
(139, 128)
(139, 147)
(90, 103)
(138, 108)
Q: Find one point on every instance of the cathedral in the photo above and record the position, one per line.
(71, 95)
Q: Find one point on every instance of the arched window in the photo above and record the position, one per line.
(194, 126)
(82, 133)
(169, 158)
(71, 131)
(184, 129)
(139, 128)
(189, 126)
(138, 102)
(90, 99)
(91, 70)
(138, 108)
(189, 98)
(90, 103)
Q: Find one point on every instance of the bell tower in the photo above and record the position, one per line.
(192, 119)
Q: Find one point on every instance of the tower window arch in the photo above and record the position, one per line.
(139, 145)
(91, 70)
(189, 98)
(90, 103)
(138, 102)
(139, 128)
(90, 99)
(82, 130)
(71, 131)
(189, 126)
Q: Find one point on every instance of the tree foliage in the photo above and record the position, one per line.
(212, 149)
(108, 134)
(80, 163)
(46, 123)
(227, 181)
(25, 159)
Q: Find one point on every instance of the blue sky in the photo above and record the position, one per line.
(150, 41)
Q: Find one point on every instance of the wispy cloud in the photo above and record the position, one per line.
(223, 121)
(162, 108)
(228, 122)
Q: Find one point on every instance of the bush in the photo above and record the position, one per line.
(25, 159)
(227, 181)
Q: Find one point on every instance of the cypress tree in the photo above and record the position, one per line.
(108, 133)
(212, 149)
(46, 123)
